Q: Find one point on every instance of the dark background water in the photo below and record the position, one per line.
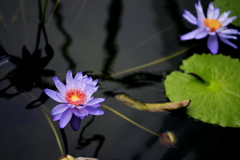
(101, 38)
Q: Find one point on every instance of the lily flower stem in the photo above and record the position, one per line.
(131, 121)
(42, 12)
(64, 137)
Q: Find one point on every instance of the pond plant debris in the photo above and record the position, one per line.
(151, 107)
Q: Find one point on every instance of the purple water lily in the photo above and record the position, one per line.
(214, 26)
(75, 98)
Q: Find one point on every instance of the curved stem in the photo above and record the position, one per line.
(129, 120)
(64, 137)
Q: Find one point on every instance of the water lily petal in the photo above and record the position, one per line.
(59, 109)
(82, 82)
(189, 17)
(200, 14)
(89, 90)
(210, 11)
(228, 20)
(65, 118)
(69, 80)
(226, 36)
(223, 16)
(94, 111)
(94, 83)
(80, 112)
(96, 105)
(229, 31)
(60, 86)
(216, 13)
(89, 80)
(75, 123)
(212, 44)
(190, 35)
(77, 79)
(228, 42)
(56, 117)
(201, 34)
(95, 101)
(54, 95)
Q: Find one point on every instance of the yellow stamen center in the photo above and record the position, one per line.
(212, 24)
(75, 97)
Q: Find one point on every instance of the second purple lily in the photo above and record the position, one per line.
(215, 25)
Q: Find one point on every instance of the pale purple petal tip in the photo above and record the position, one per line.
(69, 80)
(189, 17)
(80, 112)
(75, 123)
(59, 109)
(94, 111)
(212, 44)
(95, 101)
(60, 86)
(201, 35)
(65, 118)
(56, 117)
(210, 10)
(228, 42)
(54, 95)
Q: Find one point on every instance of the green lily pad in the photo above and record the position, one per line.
(229, 5)
(212, 82)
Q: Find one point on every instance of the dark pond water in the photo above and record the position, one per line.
(101, 38)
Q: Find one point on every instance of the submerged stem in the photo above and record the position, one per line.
(129, 120)
(54, 131)
(153, 62)
(64, 137)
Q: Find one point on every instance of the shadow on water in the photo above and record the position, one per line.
(68, 38)
(140, 79)
(29, 71)
(112, 27)
(212, 141)
(84, 142)
(149, 143)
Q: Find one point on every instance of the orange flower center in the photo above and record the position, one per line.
(75, 97)
(212, 24)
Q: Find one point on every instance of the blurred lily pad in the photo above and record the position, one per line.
(212, 82)
(230, 5)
